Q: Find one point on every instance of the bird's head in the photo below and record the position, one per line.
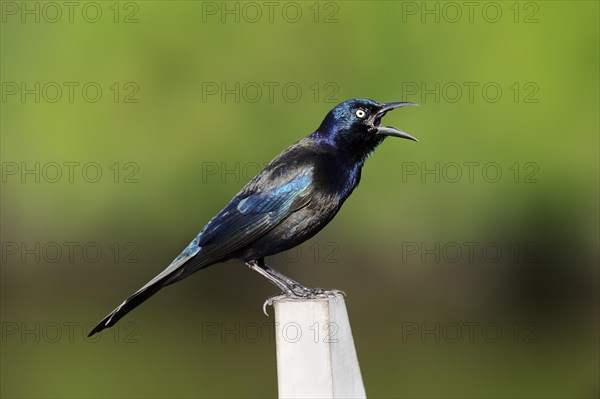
(356, 124)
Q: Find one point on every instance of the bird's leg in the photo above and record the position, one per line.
(292, 284)
(301, 290)
(290, 287)
(259, 267)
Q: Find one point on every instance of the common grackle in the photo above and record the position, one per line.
(291, 200)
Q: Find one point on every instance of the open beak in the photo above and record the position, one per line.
(389, 130)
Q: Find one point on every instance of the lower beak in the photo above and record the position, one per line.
(392, 131)
(389, 130)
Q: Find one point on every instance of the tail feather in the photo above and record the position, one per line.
(186, 263)
(127, 306)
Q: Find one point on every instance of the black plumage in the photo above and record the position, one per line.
(291, 200)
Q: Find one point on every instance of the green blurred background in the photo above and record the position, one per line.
(184, 139)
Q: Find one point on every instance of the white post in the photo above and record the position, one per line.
(316, 357)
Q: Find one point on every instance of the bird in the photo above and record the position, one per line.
(288, 202)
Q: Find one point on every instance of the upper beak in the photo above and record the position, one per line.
(389, 130)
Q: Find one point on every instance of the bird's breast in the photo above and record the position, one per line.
(337, 180)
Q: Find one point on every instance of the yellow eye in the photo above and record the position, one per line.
(360, 113)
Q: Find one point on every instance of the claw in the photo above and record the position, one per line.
(269, 301)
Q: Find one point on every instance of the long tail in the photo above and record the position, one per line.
(182, 266)
(127, 306)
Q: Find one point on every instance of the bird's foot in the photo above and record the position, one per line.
(301, 292)
(316, 293)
